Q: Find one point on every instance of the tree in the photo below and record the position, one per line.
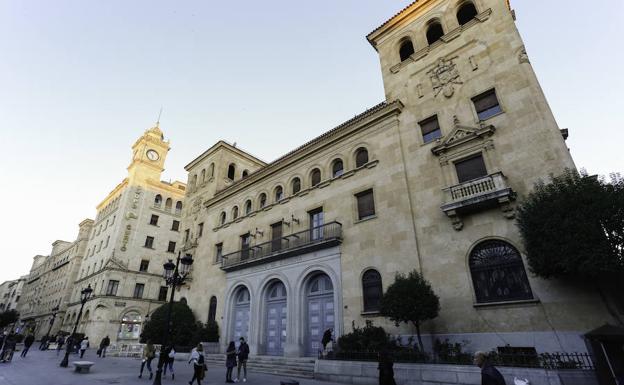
(8, 317)
(207, 332)
(410, 299)
(182, 321)
(573, 228)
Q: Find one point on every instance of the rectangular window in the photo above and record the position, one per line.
(112, 287)
(175, 226)
(149, 242)
(430, 129)
(276, 236)
(316, 222)
(245, 246)
(471, 168)
(162, 293)
(171, 247)
(218, 252)
(187, 233)
(138, 290)
(200, 229)
(144, 265)
(154, 220)
(365, 204)
(486, 104)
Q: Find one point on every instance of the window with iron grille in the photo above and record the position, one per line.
(138, 290)
(218, 252)
(245, 246)
(372, 290)
(365, 204)
(498, 273)
(430, 129)
(486, 104)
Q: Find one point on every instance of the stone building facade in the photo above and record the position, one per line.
(50, 283)
(427, 180)
(135, 231)
(11, 293)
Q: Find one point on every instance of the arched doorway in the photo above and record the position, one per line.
(130, 328)
(275, 319)
(242, 300)
(320, 308)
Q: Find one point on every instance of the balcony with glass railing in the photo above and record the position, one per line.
(312, 239)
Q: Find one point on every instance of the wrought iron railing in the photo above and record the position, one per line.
(558, 360)
(476, 187)
(316, 236)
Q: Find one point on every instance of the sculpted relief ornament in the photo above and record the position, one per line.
(444, 76)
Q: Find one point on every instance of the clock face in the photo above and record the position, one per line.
(152, 155)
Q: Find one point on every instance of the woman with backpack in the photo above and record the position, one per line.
(230, 361)
(199, 366)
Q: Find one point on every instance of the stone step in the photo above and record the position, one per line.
(302, 367)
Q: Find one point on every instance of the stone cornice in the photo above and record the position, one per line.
(362, 121)
(225, 145)
(166, 187)
(114, 192)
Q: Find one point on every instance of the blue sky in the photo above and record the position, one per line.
(81, 80)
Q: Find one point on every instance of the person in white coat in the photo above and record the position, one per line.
(84, 345)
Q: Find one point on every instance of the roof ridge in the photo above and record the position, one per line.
(390, 19)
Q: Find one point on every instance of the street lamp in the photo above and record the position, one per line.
(174, 275)
(84, 297)
(54, 310)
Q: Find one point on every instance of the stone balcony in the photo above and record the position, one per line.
(477, 194)
(312, 239)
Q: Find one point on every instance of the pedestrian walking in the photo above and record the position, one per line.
(60, 341)
(169, 358)
(243, 355)
(8, 349)
(199, 365)
(489, 374)
(103, 346)
(84, 345)
(230, 361)
(28, 341)
(386, 368)
(44, 342)
(149, 352)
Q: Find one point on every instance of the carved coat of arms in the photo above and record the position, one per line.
(444, 76)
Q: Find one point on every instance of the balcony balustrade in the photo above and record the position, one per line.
(315, 238)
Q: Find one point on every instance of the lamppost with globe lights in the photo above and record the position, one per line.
(84, 297)
(174, 275)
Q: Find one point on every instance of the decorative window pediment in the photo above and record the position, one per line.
(462, 134)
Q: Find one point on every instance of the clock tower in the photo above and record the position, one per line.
(148, 156)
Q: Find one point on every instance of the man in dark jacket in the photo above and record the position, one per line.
(489, 374)
(103, 346)
(28, 341)
(243, 355)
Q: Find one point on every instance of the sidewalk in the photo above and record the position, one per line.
(42, 367)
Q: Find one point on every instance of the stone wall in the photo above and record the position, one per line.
(365, 373)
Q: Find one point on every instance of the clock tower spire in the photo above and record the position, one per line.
(148, 159)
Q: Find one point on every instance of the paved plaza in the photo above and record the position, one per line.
(42, 368)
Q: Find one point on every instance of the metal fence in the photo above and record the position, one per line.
(558, 360)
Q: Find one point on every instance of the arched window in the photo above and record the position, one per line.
(212, 309)
(202, 177)
(262, 200)
(211, 170)
(248, 207)
(406, 50)
(372, 290)
(315, 177)
(231, 171)
(183, 301)
(361, 157)
(466, 12)
(178, 207)
(245, 173)
(194, 182)
(168, 204)
(498, 273)
(158, 200)
(434, 32)
(235, 212)
(279, 193)
(296, 185)
(337, 168)
(130, 327)
(222, 218)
